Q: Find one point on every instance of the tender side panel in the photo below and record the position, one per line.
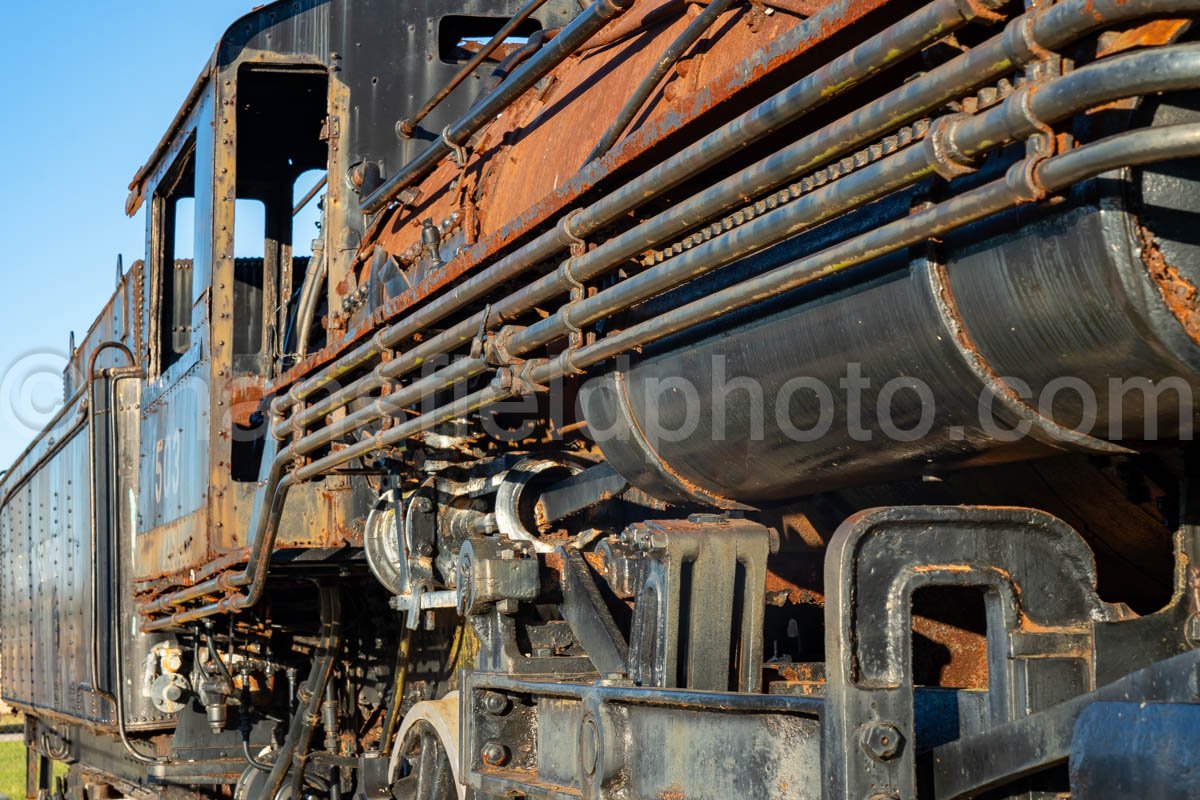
(45, 539)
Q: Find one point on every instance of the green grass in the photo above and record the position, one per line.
(12, 770)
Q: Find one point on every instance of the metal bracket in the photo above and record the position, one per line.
(460, 152)
(592, 623)
(701, 599)
(1038, 578)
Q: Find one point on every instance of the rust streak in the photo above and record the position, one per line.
(1177, 292)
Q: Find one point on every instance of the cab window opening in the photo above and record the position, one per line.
(282, 154)
(281, 143)
(173, 237)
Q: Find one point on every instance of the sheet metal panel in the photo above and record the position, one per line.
(45, 539)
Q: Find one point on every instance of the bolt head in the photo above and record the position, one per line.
(494, 754)
(495, 703)
(881, 740)
(508, 606)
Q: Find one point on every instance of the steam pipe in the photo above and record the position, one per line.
(578, 31)
(1159, 69)
(897, 42)
(308, 715)
(1022, 114)
(954, 213)
(1026, 181)
(1025, 39)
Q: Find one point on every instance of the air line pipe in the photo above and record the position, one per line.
(950, 148)
(1025, 182)
(1024, 40)
(893, 45)
(1160, 69)
(1176, 73)
(1029, 180)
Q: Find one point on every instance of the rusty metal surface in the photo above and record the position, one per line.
(730, 70)
(469, 404)
(739, 56)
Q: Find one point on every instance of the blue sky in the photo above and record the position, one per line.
(87, 91)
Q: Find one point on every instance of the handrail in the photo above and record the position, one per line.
(117, 698)
(574, 34)
(406, 127)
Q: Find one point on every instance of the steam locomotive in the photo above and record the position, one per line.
(680, 399)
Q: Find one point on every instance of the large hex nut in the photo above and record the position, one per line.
(882, 741)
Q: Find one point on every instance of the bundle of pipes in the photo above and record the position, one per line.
(950, 148)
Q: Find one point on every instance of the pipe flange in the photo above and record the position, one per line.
(943, 152)
(509, 498)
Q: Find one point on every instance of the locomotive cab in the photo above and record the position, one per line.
(224, 285)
